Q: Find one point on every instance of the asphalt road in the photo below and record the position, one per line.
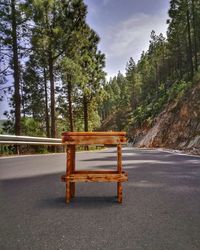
(160, 210)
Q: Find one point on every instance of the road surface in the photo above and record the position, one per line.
(160, 210)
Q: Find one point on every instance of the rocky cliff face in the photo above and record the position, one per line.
(177, 127)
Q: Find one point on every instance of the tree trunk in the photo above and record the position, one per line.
(195, 36)
(51, 78)
(16, 75)
(179, 57)
(22, 100)
(156, 77)
(46, 104)
(69, 95)
(85, 111)
(189, 43)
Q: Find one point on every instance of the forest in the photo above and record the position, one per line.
(165, 72)
(53, 70)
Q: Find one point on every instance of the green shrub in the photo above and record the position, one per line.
(178, 89)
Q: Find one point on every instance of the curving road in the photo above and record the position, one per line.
(160, 210)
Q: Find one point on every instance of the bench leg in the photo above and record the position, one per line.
(68, 193)
(119, 168)
(119, 192)
(69, 170)
(72, 184)
(72, 188)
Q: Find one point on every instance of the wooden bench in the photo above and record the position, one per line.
(71, 139)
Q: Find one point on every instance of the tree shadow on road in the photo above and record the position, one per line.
(147, 171)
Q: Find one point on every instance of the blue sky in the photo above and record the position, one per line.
(124, 27)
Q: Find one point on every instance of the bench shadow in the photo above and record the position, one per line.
(89, 202)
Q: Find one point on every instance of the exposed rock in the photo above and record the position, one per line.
(177, 127)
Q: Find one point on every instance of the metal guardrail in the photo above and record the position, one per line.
(29, 140)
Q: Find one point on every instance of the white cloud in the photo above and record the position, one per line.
(130, 38)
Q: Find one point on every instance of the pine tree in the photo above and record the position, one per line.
(92, 63)
(55, 22)
(13, 29)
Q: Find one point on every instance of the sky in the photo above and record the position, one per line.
(124, 27)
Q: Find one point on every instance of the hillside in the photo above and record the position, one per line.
(177, 127)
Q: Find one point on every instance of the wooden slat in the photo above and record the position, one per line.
(96, 171)
(85, 172)
(95, 178)
(94, 133)
(86, 140)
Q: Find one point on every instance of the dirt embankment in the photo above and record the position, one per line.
(177, 127)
